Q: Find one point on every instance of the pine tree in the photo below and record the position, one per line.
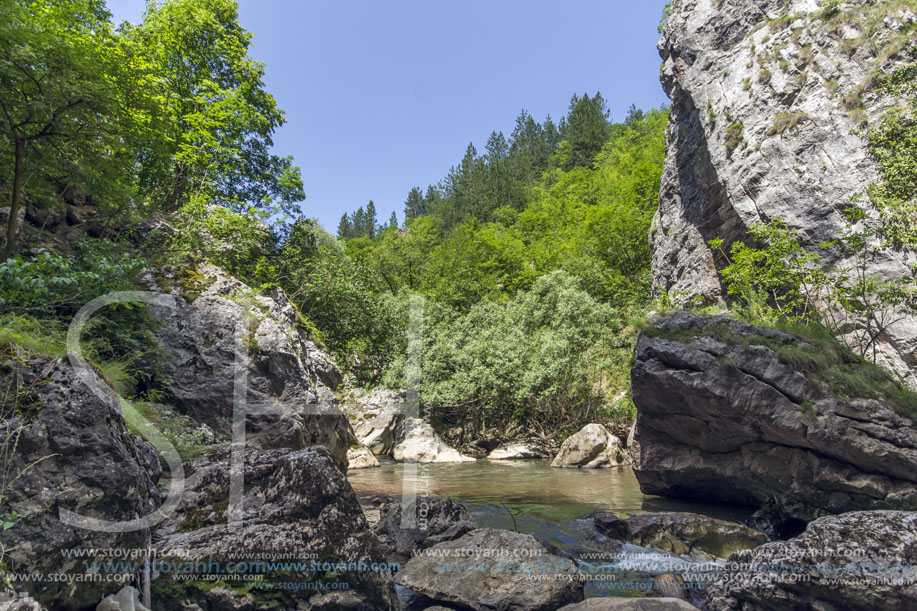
(393, 220)
(344, 227)
(415, 205)
(369, 221)
(586, 129)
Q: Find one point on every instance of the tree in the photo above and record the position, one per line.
(415, 205)
(393, 221)
(345, 228)
(585, 129)
(215, 117)
(369, 221)
(55, 91)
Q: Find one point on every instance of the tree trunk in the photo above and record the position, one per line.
(12, 227)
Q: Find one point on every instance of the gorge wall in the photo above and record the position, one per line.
(770, 99)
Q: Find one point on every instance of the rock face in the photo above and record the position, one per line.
(766, 97)
(680, 533)
(592, 447)
(418, 442)
(731, 422)
(433, 520)
(297, 506)
(865, 560)
(491, 569)
(72, 452)
(289, 381)
(375, 417)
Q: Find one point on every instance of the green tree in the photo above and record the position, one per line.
(213, 116)
(585, 129)
(415, 205)
(56, 63)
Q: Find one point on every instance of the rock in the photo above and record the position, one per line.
(616, 603)
(731, 70)
(493, 569)
(361, 458)
(431, 520)
(680, 533)
(516, 451)
(20, 604)
(418, 442)
(591, 448)
(670, 585)
(721, 418)
(375, 417)
(297, 506)
(289, 401)
(48, 218)
(127, 599)
(865, 560)
(72, 452)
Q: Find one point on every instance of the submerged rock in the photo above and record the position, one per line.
(491, 569)
(297, 507)
(680, 533)
(720, 417)
(591, 448)
(418, 442)
(289, 382)
(860, 561)
(616, 603)
(429, 520)
(69, 450)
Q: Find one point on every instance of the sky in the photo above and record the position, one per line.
(382, 96)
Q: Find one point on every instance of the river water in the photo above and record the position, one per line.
(554, 504)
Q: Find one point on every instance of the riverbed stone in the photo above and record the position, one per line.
(418, 442)
(620, 603)
(858, 561)
(360, 457)
(592, 447)
(516, 451)
(496, 569)
(680, 533)
(430, 520)
(375, 416)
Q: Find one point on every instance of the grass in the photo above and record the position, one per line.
(786, 121)
(735, 137)
(179, 430)
(818, 355)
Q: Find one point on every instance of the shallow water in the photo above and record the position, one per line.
(530, 489)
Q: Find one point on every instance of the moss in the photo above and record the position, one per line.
(765, 76)
(735, 137)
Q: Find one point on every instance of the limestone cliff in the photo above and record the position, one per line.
(770, 99)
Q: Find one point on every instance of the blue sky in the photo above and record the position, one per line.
(381, 96)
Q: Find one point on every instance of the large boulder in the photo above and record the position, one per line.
(767, 100)
(66, 448)
(418, 442)
(518, 450)
(289, 382)
(680, 533)
(427, 520)
(722, 417)
(490, 569)
(297, 507)
(591, 448)
(864, 560)
(359, 457)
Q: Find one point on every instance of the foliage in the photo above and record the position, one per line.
(666, 11)
(528, 359)
(779, 280)
(786, 121)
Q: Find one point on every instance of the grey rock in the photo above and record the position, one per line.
(732, 66)
(403, 530)
(865, 560)
(680, 533)
(517, 451)
(616, 603)
(494, 569)
(375, 417)
(418, 442)
(73, 452)
(731, 422)
(289, 400)
(297, 506)
(127, 599)
(592, 447)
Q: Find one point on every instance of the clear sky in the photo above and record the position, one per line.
(383, 95)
